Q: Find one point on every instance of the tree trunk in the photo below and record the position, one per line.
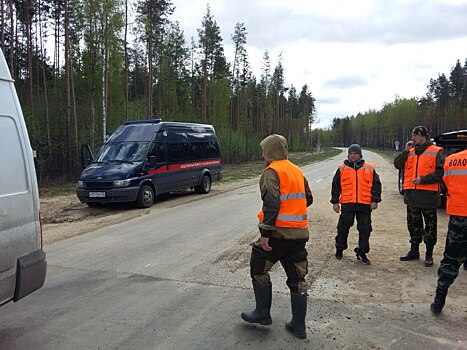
(75, 114)
(150, 76)
(126, 60)
(12, 42)
(30, 68)
(46, 98)
(2, 39)
(68, 95)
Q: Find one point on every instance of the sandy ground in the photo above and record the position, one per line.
(387, 283)
(65, 216)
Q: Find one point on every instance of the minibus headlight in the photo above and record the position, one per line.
(80, 184)
(122, 183)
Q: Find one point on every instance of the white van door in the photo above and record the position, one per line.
(18, 224)
(22, 261)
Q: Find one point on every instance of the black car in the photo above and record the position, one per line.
(452, 142)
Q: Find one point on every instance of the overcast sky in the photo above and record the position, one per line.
(354, 55)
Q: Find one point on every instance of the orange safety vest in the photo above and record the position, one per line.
(356, 184)
(292, 210)
(422, 165)
(455, 178)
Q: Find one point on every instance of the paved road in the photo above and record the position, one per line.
(163, 281)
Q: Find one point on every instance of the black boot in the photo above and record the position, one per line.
(429, 256)
(440, 300)
(339, 254)
(413, 254)
(261, 314)
(297, 325)
(465, 266)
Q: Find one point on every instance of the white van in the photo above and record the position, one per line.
(23, 263)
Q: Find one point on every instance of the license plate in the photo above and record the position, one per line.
(96, 194)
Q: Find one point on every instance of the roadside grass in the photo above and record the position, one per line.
(57, 190)
(389, 155)
(232, 172)
(243, 171)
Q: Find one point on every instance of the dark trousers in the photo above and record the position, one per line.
(415, 218)
(346, 221)
(455, 252)
(293, 258)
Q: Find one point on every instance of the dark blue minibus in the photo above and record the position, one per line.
(145, 158)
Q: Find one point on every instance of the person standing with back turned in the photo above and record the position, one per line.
(356, 186)
(422, 163)
(283, 225)
(455, 251)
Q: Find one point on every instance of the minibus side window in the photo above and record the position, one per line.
(160, 152)
(179, 151)
(197, 150)
(213, 150)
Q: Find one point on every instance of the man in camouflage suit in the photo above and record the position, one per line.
(455, 252)
(421, 191)
(283, 226)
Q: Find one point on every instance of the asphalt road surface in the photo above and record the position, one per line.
(163, 281)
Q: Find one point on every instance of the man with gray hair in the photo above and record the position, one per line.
(283, 225)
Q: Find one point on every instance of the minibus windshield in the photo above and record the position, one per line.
(123, 152)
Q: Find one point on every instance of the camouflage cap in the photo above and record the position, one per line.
(420, 131)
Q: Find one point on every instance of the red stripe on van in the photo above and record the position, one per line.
(161, 170)
(185, 166)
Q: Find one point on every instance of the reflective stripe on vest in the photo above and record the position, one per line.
(356, 184)
(292, 210)
(416, 166)
(455, 178)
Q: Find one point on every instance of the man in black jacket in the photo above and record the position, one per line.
(356, 186)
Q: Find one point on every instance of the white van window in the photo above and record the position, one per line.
(13, 178)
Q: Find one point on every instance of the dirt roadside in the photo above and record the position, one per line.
(389, 283)
(65, 216)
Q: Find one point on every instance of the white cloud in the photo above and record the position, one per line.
(354, 55)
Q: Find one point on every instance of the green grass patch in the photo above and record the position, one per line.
(58, 190)
(389, 155)
(237, 172)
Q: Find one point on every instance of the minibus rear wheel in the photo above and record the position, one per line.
(205, 185)
(145, 197)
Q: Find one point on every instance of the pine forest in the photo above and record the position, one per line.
(82, 68)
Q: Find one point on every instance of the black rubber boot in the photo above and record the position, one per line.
(297, 325)
(261, 314)
(429, 256)
(339, 254)
(465, 266)
(413, 254)
(440, 300)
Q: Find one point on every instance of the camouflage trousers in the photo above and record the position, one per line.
(292, 256)
(415, 218)
(455, 252)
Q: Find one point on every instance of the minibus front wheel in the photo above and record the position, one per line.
(205, 185)
(145, 197)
